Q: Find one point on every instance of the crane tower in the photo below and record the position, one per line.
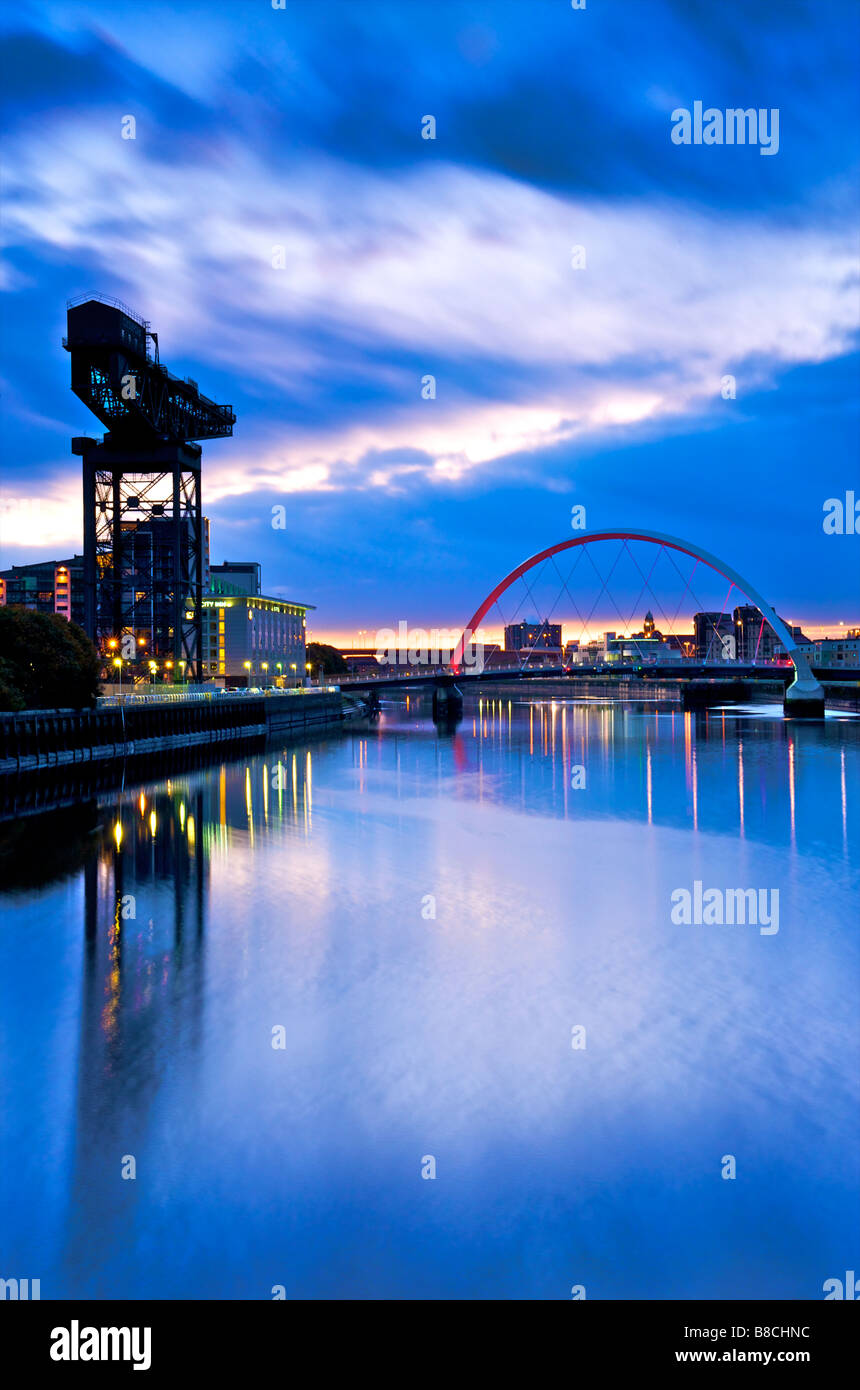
(143, 524)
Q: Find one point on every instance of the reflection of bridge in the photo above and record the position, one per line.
(804, 696)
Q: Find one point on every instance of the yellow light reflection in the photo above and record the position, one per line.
(648, 780)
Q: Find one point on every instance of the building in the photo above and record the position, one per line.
(755, 640)
(842, 653)
(48, 586)
(236, 577)
(526, 638)
(743, 636)
(144, 588)
(591, 653)
(682, 642)
(715, 636)
(249, 638)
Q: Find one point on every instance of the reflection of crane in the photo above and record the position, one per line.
(143, 526)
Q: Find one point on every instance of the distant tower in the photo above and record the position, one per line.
(648, 626)
(144, 538)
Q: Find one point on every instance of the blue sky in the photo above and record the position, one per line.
(301, 128)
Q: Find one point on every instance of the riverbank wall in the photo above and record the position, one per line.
(131, 727)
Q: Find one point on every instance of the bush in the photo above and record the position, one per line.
(45, 662)
(319, 654)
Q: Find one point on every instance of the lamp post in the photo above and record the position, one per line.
(168, 667)
(117, 661)
(280, 669)
(247, 666)
(293, 669)
(264, 666)
(182, 666)
(153, 667)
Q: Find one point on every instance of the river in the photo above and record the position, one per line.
(404, 1013)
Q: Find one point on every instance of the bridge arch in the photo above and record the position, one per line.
(804, 687)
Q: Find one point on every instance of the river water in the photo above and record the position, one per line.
(286, 990)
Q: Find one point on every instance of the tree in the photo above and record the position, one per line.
(46, 662)
(329, 658)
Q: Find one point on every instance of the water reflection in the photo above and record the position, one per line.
(179, 921)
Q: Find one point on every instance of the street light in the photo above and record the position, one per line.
(293, 669)
(265, 667)
(247, 666)
(117, 661)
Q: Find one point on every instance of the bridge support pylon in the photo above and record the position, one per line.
(447, 703)
(804, 698)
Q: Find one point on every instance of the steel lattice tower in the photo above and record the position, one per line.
(143, 525)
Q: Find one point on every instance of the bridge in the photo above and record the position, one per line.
(804, 695)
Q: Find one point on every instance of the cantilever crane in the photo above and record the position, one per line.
(144, 547)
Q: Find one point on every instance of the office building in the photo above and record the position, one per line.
(715, 636)
(249, 638)
(48, 586)
(534, 637)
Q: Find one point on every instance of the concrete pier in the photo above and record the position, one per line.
(804, 699)
(447, 703)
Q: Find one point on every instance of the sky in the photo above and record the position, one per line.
(310, 258)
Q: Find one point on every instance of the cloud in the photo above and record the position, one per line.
(462, 271)
(404, 258)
